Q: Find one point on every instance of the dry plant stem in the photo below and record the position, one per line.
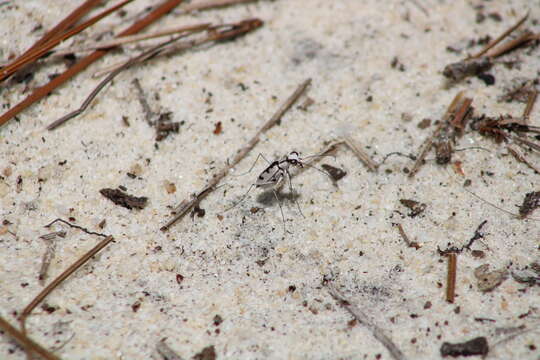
(511, 45)
(43, 49)
(521, 157)
(523, 141)
(451, 277)
(360, 154)
(130, 39)
(70, 270)
(187, 204)
(28, 344)
(243, 28)
(500, 38)
(68, 21)
(144, 56)
(42, 91)
(457, 120)
(533, 94)
(428, 143)
(362, 318)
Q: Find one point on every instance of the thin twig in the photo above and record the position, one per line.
(360, 154)
(28, 344)
(139, 58)
(531, 100)
(512, 44)
(205, 5)
(74, 226)
(405, 238)
(149, 114)
(521, 157)
(428, 143)
(362, 318)
(451, 277)
(44, 90)
(500, 38)
(64, 275)
(240, 154)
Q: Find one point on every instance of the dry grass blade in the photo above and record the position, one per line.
(40, 92)
(28, 344)
(360, 154)
(64, 275)
(43, 49)
(211, 4)
(531, 100)
(362, 318)
(240, 154)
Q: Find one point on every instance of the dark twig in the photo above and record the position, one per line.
(43, 91)
(74, 226)
(187, 204)
(362, 318)
(64, 275)
(478, 234)
(28, 344)
(451, 277)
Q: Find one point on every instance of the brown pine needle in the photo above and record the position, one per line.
(500, 38)
(40, 51)
(187, 204)
(211, 4)
(43, 91)
(451, 277)
(68, 21)
(28, 344)
(63, 276)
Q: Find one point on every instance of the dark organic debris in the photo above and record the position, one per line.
(416, 207)
(123, 199)
(462, 69)
(164, 126)
(476, 346)
(489, 280)
(529, 275)
(334, 172)
(530, 203)
(208, 353)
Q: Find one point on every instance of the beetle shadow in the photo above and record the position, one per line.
(267, 197)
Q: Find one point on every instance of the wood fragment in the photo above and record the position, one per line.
(531, 100)
(362, 318)
(451, 277)
(29, 345)
(186, 204)
(63, 276)
(44, 90)
(360, 154)
(476, 346)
